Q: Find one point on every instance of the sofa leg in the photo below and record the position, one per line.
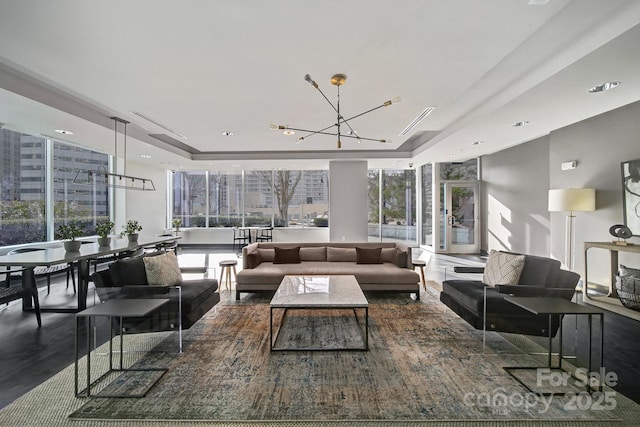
(237, 295)
(417, 295)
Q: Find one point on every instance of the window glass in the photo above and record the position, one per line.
(22, 191)
(374, 204)
(314, 198)
(225, 199)
(465, 171)
(399, 205)
(427, 204)
(258, 198)
(84, 205)
(189, 198)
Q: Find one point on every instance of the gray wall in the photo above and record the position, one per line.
(599, 145)
(514, 189)
(515, 184)
(348, 185)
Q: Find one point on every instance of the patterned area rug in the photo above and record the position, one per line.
(424, 364)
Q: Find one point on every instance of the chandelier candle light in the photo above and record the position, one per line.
(336, 80)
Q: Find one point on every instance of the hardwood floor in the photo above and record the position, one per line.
(30, 355)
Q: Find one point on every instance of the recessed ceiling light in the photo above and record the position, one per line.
(145, 156)
(538, 2)
(520, 124)
(64, 132)
(478, 142)
(604, 87)
(288, 132)
(227, 133)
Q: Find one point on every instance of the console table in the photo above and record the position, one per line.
(613, 267)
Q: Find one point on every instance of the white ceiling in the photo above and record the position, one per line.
(203, 67)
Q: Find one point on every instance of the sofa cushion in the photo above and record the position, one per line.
(368, 255)
(253, 260)
(503, 268)
(539, 271)
(287, 256)
(163, 269)
(268, 273)
(313, 254)
(470, 294)
(341, 254)
(266, 254)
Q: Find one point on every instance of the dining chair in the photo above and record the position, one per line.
(241, 237)
(47, 271)
(265, 235)
(12, 293)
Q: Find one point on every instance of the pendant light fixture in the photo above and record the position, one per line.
(115, 180)
(336, 80)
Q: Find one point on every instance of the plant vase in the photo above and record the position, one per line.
(72, 245)
(133, 238)
(104, 241)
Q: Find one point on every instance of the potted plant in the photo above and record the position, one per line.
(131, 230)
(103, 229)
(176, 222)
(69, 232)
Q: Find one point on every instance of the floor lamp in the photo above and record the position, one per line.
(571, 200)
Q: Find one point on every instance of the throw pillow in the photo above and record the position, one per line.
(368, 255)
(163, 269)
(313, 254)
(341, 254)
(503, 268)
(287, 256)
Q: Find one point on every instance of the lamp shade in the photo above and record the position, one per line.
(572, 199)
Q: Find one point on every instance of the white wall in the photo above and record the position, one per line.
(348, 188)
(148, 207)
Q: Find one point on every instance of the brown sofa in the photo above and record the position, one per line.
(394, 274)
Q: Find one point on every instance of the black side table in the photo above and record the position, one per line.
(120, 308)
(559, 307)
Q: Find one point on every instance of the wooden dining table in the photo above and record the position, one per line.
(57, 255)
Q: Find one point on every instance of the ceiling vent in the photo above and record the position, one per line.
(174, 142)
(160, 125)
(417, 120)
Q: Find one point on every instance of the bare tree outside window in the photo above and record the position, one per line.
(284, 184)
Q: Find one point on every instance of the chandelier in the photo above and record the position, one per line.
(336, 80)
(115, 180)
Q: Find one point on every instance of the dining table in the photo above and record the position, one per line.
(89, 251)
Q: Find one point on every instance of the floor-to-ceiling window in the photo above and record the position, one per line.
(427, 204)
(23, 172)
(189, 198)
(283, 198)
(38, 193)
(84, 205)
(392, 205)
(225, 199)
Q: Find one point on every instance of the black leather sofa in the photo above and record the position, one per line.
(540, 277)
(126, 278)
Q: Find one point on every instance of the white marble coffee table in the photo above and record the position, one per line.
(319, 293)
